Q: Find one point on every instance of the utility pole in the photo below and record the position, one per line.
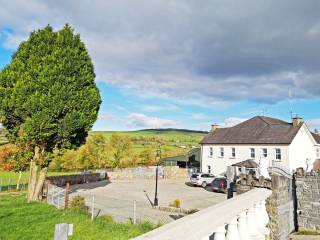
(157, 173)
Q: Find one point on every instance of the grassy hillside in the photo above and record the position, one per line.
(172, 140)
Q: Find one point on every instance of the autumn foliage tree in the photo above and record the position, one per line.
(48, 98)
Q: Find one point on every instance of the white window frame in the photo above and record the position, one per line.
(252, 153)
(221, 151)
(278, 155)
(233, 152)
(264, 152)
(317, 152)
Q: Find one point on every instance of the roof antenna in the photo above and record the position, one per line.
(290, 103)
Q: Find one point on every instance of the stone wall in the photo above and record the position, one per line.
(280, 208)
(165, 172)
(73, 179)
(308, 199)
(249, 181)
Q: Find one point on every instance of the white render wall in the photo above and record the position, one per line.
(302, 148)
(219, 164)
(295, 155)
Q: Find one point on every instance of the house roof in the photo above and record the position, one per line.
(247, 163)
(257, 130)
(316, 137)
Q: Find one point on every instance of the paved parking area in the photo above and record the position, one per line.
(116, 198)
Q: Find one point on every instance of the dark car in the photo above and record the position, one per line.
(219, 184)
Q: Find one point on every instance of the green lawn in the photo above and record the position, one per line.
(10, 178)
(19, 220)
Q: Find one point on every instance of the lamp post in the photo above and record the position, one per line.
(158, 155)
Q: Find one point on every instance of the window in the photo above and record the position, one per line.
(252, 153)
(233, 152)
(209, 169)
(264, 152)
(211, 151)
(278, 154)
(318, 152)
(221, 152)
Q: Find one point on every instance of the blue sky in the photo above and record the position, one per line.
(186, 64)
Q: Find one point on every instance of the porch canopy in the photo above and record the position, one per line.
(247, 164)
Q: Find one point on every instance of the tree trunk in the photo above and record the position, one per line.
(32, 180)
(37, 195)
(19, 179)
(33, 174)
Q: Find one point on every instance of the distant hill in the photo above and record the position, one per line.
(172, 139)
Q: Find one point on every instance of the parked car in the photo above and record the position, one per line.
(219, 184)
(201, 179)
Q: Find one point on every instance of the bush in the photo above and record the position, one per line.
(105, 219)
(176, 203)
(78, 204)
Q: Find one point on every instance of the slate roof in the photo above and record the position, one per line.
(257, 130)
(316, 137)
(247, 163)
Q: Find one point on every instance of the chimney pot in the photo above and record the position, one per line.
(296, 121)
(214, 127)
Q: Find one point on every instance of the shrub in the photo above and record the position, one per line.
(175, 203)
(105, 219)
(78, 204)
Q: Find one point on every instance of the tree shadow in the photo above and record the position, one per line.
(89, 186)
(175, 217)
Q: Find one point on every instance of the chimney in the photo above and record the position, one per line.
(214, 127)
(296, 121)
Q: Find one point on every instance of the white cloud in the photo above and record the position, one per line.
(138, 120)
(313, 124)
(213, 52)
(232, 121)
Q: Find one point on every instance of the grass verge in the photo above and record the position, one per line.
(20, 220)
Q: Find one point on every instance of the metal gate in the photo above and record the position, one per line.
(56, 196)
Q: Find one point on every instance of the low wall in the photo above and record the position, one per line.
(73, 179)
(279, 205)
(165, 172)
(308, 199)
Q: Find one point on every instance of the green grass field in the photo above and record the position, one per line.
(171, 139)
(10, 178)
(19, 220)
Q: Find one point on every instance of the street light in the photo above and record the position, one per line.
(158, 155)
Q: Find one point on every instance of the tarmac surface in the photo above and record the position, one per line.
(116, 198)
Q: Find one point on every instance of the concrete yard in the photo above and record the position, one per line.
(116, 198)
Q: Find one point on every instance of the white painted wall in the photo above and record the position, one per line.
(295, 155)
(302, 148)
(219, 164)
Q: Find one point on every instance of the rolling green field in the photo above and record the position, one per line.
(10, 178)
(19, 220)
(170, 139)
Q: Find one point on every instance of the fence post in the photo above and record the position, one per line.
(134, 211)
(66, 195)
(92, 208)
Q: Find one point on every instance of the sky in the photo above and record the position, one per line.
(187, 64)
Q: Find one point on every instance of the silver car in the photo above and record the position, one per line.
(201, 179)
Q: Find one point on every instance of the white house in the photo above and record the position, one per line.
(262, 140)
